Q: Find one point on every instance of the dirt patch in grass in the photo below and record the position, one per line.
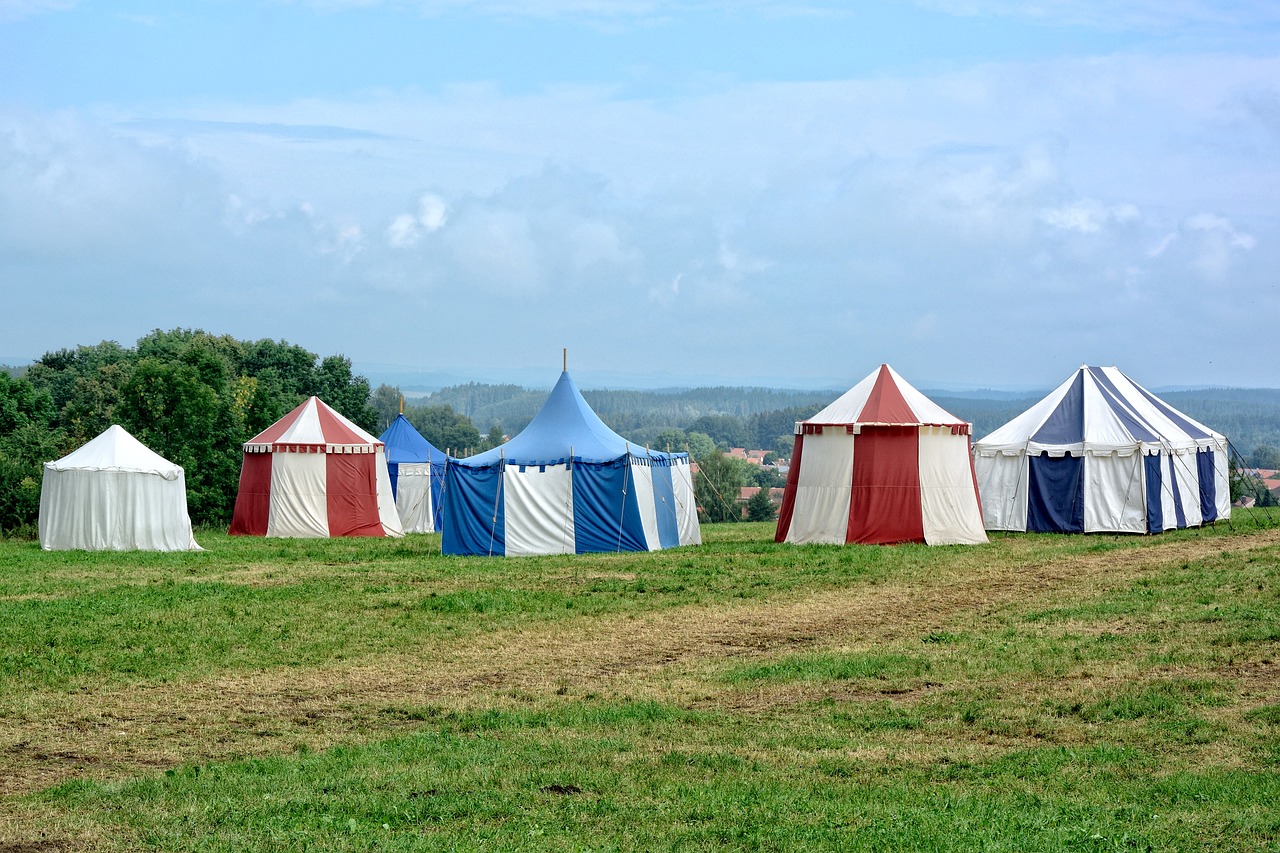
(663, 655)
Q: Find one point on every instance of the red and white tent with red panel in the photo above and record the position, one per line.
(313, 473)
(880, 465)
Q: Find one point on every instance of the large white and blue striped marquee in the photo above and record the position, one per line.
(1102, 454)
(568, 484)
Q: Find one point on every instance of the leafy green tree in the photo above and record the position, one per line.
(495, 436)
(386, 401)
(446, 429)
(1265, 456)
(765, 476)
(725, 430)
(760, 506)
(349, 394)
(699, 444)
(716, 488)
(28, 438)
(170, 408)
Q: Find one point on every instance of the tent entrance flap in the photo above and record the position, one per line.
(885, 503)
(1055, 494)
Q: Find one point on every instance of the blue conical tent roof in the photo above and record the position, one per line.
(405, 444)
(564, 423)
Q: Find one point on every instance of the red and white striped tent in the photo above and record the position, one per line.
(313, 473)
(880, 465)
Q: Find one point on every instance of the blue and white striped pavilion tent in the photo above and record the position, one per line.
(417, 470)
(1102, 454)
(568, 484)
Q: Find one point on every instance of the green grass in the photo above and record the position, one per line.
(1133, 711)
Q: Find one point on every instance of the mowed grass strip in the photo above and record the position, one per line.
(831, 730)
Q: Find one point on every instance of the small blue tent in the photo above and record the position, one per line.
(568, 484)
(1102, 454)
(417, 470)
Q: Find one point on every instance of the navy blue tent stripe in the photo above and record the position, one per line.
(1155, 508)
(1065, 425)
(1208, 486)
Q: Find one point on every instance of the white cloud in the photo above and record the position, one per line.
(16, 10)
(1089, 216)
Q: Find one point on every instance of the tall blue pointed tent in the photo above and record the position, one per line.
(417, 470)
(1102, 454)
(568, 484)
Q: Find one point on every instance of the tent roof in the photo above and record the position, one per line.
(884, 397)
(313, 424)
(1099, 410)
(405, 444)
(564, 424)
(116, 450)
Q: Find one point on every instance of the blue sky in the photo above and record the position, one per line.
(979, 192)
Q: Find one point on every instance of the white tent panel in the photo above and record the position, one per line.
(1104, 431)
(1115, 496)
(823, 488)
(413, 497)
(1222, 483)
(299, 506)
(387, 513)
(1002, 482)
(102, 510)
(1168, 509)
(538, 506)
(1184, 467)
(686, 503)
(642, 480)
(948, 502)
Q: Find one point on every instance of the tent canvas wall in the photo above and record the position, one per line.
(416, 468)
(568, 484)
(880, 465)
(1101, 454)
(313, 473)
(114, 494)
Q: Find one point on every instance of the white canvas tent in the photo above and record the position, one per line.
(114, 494)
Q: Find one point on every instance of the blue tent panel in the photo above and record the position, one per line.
(405, 444)
(1208, 486)
(1055, 494)
(475, 532)
(664, 497)
(1155, 482)
(1179, 513)
(606, 516)
(1065, 425)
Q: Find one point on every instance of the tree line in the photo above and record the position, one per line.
(195, 397)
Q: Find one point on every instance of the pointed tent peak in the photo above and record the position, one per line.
(1098, 410)
(884, 397)
(116, 449)
(313, 424)
(566, 422)
(405, 444)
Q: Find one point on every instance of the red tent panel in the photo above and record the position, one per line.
(253, 502)
(885, 404)
(351, 492)
(789, 496)
(885, 505)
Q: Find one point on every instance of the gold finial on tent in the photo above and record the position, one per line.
(402, 404)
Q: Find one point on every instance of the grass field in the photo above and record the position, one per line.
(1037, 693)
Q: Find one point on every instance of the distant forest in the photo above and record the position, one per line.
(764, 417)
